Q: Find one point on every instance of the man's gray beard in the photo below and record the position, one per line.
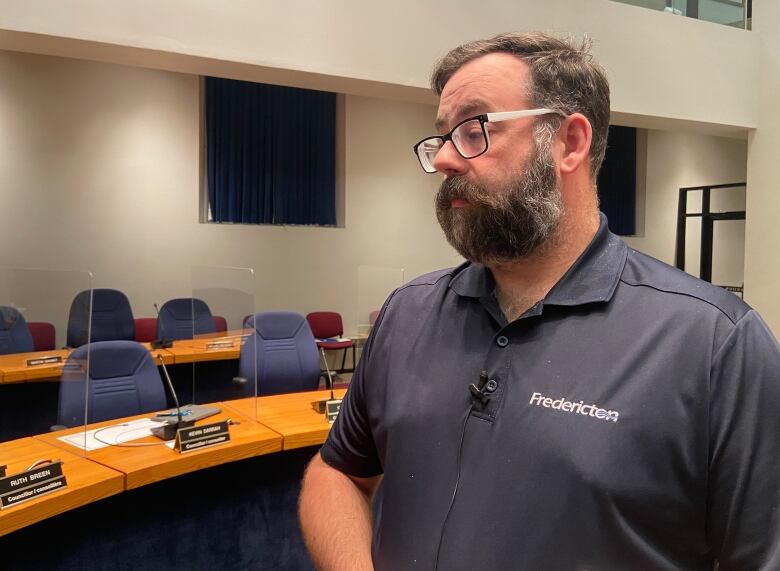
(503, 224)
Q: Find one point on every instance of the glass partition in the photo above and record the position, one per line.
(727, 12)
(45, 326)
(375, 284)
(735, 13)
(222, 344)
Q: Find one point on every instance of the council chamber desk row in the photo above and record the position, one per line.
(256, 426)
(46, 365)
(47, 388)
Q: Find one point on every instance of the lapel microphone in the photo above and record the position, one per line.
(478, 390)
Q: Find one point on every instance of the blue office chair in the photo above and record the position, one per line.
(123, 381)
(15, 336)
(181, 318)
(286, 355)
(112, 318)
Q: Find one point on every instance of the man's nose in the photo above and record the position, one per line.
(449, 161)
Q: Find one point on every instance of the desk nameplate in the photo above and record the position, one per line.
(87, 482)
(220, 345)
(34, 483)
(38, 361)
(33, 366)
(203, 436)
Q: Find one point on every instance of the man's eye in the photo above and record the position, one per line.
(472, 133)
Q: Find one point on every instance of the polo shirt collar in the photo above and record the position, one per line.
(593, 277)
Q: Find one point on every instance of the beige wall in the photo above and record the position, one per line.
(667, 73)
(762, 239)
(675, 160)
(99, 171)
(660, 66)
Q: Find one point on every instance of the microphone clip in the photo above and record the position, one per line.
(478, 391)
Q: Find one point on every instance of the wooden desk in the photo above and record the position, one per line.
(144, 465)
(198, 350)
(87, 482)
(291, 415)
(14, 369)
(167, 356)
(285, 422)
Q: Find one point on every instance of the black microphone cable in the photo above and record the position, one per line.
(477, 393)
(455, 489)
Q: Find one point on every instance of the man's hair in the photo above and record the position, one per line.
(564, 77)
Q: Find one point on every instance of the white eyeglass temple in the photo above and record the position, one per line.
(505, 115)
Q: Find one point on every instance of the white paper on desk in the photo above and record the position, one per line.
(116, 434)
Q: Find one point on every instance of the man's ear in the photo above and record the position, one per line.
(576, 135)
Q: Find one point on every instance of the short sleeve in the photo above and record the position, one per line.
(350, 446)
(743, 512)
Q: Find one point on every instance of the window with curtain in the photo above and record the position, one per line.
(617, 181)
(271, 153)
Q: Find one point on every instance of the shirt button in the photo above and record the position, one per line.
(502, 341)
(491, 386)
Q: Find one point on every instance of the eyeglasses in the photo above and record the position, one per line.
(469, 137)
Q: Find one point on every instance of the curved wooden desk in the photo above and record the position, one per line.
(14, 367)
(216, 347)
(87, 482)
(268, 425)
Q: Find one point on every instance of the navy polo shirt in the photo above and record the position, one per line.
(633, 422)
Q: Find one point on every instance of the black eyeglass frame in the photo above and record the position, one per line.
(483, 118)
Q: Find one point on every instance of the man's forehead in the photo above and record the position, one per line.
(464, 109)
(488, 83)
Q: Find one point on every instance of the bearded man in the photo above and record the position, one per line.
(559, 401)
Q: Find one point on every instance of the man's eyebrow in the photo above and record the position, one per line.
(468, 109)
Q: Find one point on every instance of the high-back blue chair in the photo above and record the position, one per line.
(14, 334)
(282, 352)
(182, 317)
(112, 318)
(123, 381)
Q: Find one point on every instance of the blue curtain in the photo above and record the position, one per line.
(271, 153)
(617, 181)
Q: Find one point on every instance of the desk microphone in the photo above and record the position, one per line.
(327, 370)
(161, 342)
(320, 404)
(168, 430)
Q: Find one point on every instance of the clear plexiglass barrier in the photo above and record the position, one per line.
(45, 326)
(222, 345)
(734, 13)
(375, 284)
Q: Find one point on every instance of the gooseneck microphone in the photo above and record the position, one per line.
(168, 430)
(330, 375)
(161, 342)
(320, 405)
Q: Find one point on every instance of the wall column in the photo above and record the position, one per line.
(762, 226)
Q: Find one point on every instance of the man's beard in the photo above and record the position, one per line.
(505, 223)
